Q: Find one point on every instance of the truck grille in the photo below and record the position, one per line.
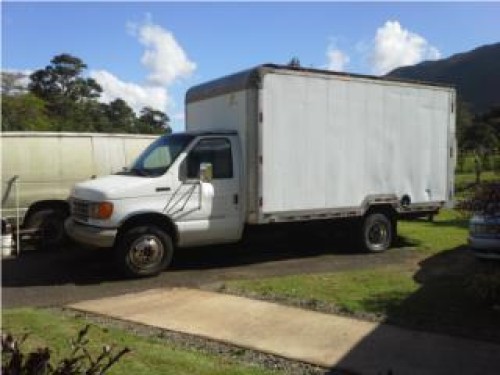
(80, 209)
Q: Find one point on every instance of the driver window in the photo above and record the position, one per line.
(216, 151)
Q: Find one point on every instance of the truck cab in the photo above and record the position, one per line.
(184, 190)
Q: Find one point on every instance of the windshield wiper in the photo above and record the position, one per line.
(139, 172)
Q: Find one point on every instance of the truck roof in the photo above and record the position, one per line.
(251, 78)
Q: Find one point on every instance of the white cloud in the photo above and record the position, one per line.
(164, 57)
(395, 46)
(165, 61)
(136, 96)
(22, 77)
(337, 60)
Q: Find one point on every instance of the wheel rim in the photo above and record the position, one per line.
(378, 235)
(146, 252)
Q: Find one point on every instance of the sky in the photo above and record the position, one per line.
(150, 53)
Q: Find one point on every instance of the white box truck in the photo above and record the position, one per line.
(277, 144)
(39, 169)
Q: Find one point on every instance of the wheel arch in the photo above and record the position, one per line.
(383, 208)
(162, 221)
(54, 204)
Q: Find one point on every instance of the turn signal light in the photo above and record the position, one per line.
(103, 210)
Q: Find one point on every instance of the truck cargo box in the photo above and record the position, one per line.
(320, 144)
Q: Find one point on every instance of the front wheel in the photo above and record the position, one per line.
(50, 226)
(377, 232)
(144, 251)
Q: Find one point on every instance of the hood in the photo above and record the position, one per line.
(115, 187)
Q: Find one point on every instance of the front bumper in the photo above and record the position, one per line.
(485, 247)
(93, 236)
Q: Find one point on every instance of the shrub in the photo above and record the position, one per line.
(485, 199)
(79, 361)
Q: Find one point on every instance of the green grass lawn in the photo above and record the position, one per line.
(149, 355)
(447, 231)
(348, 291)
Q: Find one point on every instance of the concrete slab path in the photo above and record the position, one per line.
(321, 339)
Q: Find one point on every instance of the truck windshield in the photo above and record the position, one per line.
(159, 156)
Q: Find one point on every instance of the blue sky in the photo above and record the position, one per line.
(150, 53)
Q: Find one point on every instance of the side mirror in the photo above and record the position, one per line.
(206, 172)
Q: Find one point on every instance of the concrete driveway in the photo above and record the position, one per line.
(325, 340)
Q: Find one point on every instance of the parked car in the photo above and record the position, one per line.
(484, 226)
(484, 235)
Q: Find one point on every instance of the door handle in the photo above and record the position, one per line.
(235, 198)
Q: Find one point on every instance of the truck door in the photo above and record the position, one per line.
(218, 217)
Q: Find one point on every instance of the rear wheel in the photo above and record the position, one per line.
(377, 232)
(49, 224)
(144, 251)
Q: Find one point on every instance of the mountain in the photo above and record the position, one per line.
(475, 74)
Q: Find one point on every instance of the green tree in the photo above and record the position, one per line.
(61, 99)
(62, 80)
(71, 99)
(480, 137)
(465, 120)
(80, 117)
(121, 117)
(152, 121)
(492, 117)
(24, 112)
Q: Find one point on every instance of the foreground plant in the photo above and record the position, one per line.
(79, 361)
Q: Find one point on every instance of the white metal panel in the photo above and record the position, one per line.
(33, 159)
(331, 141)
(219, 112)
(112, 154)
(75, 156)
(37, 163)
(108, 155)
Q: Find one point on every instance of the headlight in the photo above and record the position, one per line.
(101, 210)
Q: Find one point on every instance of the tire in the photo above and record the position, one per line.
(377, 232)
(50, 224)
(144, 251)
